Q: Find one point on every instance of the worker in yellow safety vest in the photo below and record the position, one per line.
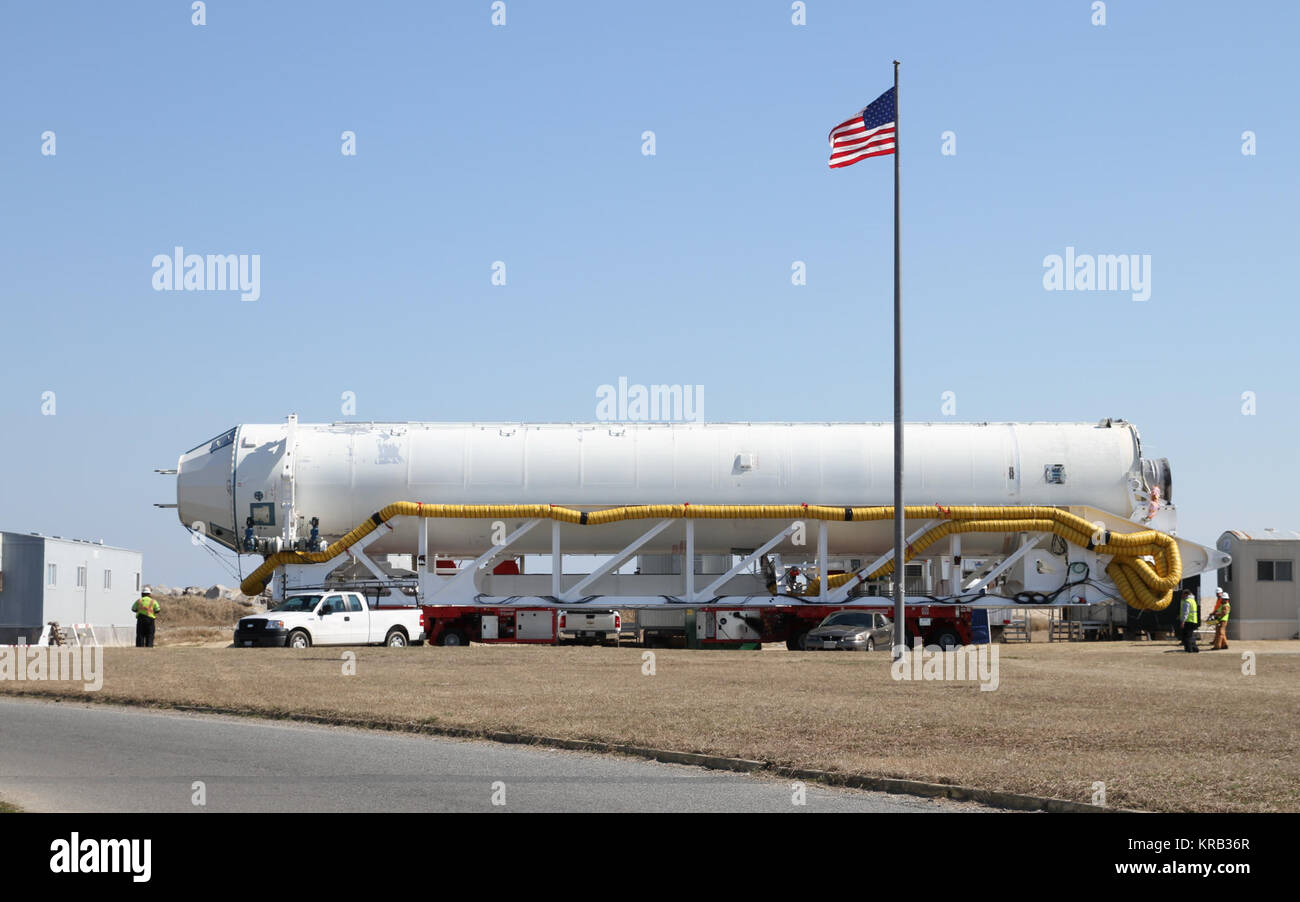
(1219, 617)
(1190, 619)
(146, 616)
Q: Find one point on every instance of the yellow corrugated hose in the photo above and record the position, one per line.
(1144, 585)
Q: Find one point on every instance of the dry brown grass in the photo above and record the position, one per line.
(194, 636)
(197, 621)
(1163, 730)
(194, 610)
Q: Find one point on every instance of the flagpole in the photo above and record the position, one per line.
(900, 566)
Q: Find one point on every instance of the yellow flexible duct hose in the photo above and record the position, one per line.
(1142, 584)
(814, 586)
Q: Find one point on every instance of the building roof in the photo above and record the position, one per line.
(97, 543)
(1267, 534)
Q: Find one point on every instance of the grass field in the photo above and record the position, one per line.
(1163, 730)
(196, 621)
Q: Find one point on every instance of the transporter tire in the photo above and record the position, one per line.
(796, 640)
(453, 639)
(299, 639)
(396, 638)
(945, 638)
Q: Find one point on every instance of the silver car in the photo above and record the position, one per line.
(852, 631)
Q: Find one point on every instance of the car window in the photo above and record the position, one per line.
(297, 603)
(333, 604)
(848, 618)
(354, 603)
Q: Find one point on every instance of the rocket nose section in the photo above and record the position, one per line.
(203, 488)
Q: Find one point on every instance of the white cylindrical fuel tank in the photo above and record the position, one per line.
(341, 473)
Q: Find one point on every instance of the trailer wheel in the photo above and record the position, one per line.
(795, 642)
(453, 639)
(945, 639)
(396, 638)
(299, 639)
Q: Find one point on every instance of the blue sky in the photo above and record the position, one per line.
(523, 144)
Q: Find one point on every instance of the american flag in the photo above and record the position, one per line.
(868, 134)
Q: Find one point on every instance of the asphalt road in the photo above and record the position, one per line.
(85, 758)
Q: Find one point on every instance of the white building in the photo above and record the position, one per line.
(1262, 582)
(44, 578)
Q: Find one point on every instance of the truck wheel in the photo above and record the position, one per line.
(299, 639)
(795, 642)
(395, 638)
(871, 644)
(453, 638)
(945, 639)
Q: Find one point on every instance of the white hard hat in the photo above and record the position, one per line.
(1224, 594)
(1219, 590)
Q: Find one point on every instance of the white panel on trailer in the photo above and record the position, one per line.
(535, 624)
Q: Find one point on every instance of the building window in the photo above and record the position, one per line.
(81, 577)
(51, 574)
(137, 582)
(1273, 571)
(108, 579)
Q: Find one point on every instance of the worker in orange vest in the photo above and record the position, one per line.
(146, 617)
(1219, 617)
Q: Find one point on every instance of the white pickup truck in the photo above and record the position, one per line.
(330, 618)
(589, 627)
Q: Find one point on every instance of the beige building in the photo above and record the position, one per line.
(1262, 582)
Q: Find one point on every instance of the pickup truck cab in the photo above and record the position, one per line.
(330, 618)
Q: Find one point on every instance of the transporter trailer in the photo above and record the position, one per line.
(715, 626)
